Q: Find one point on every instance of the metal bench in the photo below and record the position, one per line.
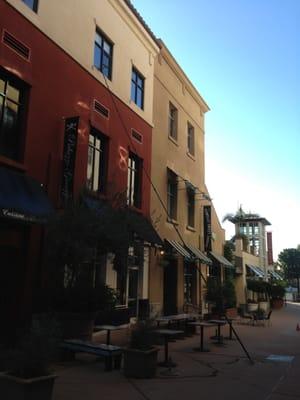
(112, 354)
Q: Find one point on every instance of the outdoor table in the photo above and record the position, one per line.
(167, 334)
(219, 322)
(202, 326)
(108, 328)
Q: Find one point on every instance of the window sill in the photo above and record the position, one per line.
(12, 164)
(174, 141)
(172, 221)
(190, 155)
(190, 228)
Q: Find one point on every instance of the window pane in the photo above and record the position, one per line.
(98, 39)
(90, 168)
(9, 132)
(13, 93)
(139, 98)
(132, 91)
(97, 56)
(96, 170)
(107, 47)
(2, 86)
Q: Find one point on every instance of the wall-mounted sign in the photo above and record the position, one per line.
(207, 228)
(69, 157)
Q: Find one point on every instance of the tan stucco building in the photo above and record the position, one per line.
(179, 194)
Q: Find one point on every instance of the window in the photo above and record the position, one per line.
(190, 139)
(33, 4)
(191, 208)
(97, 161)
(134, 183)
(172, 195)
(172, 121)
(256, 231)
(243, 228)
(103, 54)
(137, 88)
(12, 98)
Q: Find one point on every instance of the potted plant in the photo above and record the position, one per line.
(277, 293)
(252, 305)
(76, 239)
(140, 358)
(28, 375)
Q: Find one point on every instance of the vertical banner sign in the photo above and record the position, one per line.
(207, 227)
(69, 157)
(270, 248)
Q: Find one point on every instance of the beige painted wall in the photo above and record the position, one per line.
(172, 86)
(241, 284)
(72, 24)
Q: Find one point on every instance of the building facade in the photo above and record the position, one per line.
(76, 110)
(179, 198)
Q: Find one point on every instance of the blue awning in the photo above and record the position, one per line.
(22, 198)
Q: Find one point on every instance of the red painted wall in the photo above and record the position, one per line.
(61, 88)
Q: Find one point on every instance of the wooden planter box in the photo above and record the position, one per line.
(14, 388)
(75, 325)
(140, 363)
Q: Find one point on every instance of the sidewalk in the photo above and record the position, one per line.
(224, 373)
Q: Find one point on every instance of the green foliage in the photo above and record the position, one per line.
(277, 291)
(222, 295)
(290, 261)
(35, 351)
(228, 250)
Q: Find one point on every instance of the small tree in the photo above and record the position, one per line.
(290, 261)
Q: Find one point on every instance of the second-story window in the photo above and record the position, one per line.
(137, 88)
(33, 4)
(12, 99)
(134, 181)
(97, 161)
(190, 139)
(172, 121)
(103, 54)
(172, 186)
(190, 208)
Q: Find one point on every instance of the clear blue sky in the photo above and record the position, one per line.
(243, 56)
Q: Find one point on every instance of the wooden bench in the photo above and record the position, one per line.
(112, 354)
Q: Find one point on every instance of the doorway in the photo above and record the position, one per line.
(170, 288)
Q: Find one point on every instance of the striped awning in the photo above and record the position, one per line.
(222, 260)
(256, 270)
(275, 275)
(179, 248)
(198, 254)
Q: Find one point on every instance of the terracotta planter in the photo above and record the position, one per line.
(140, 363)
(277, 304)
(252, 307)
(14, 388)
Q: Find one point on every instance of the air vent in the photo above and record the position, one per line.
(16, 45)
(137, 136)
(101, 109)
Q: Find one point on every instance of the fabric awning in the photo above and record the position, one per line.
(222, 260)
(256, 270)
(198, 254)
(275, 275)
(22, 198)
(179, 248)
(134, 221)
(143, 228)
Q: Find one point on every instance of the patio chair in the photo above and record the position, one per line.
(263, 318)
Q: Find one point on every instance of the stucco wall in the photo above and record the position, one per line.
(72, 24)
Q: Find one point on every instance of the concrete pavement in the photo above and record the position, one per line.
(224, 373)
